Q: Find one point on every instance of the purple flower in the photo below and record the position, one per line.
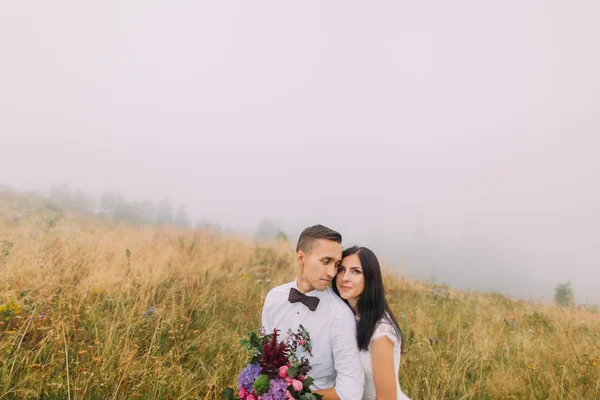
(248, 376)
(149, 312)
(276, 390)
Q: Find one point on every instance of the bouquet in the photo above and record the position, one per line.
(274, 371)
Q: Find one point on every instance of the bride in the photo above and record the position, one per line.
(359, 283)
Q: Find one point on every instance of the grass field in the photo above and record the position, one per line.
(99, 310)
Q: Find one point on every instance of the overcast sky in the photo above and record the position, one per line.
(457, 139)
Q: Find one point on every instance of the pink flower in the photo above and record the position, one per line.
(288, 395)
(283, 371)
(297, 385)
(288, 381)
(302, 342)
(302, 377)
(243, 393)
(250, 397)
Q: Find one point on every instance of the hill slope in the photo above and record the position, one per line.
(96, 309)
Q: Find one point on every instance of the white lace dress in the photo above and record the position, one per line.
(384, 329)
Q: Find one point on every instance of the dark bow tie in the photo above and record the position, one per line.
(309, 301)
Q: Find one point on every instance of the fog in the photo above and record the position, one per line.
(458, 140)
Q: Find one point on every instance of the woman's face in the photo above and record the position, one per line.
(350, 280)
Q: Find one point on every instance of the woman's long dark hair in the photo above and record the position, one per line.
(372, 305)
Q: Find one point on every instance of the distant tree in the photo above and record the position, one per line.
(202, 223)
(109, 204)
(165, 213)
(182, 218)
(147, 210)
(563, 294)
(267, 229)
(281, 235)
(206, 223)
(114, 206)
(73, 200)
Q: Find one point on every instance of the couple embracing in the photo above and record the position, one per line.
(338, 296)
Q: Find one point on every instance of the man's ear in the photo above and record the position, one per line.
(300, 257)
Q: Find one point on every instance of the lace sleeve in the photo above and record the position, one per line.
(384, 329)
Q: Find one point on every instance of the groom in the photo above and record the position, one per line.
(310, 302)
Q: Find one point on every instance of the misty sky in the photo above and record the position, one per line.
(457, 139)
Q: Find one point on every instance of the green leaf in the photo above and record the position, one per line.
(292, 391)
(261, 384)
(228, 394)
(292, 372)
(307, 382)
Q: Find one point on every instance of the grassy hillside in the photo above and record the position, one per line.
(93, 309)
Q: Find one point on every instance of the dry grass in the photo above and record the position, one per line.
(76, 294)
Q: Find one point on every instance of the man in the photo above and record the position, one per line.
(310, 302)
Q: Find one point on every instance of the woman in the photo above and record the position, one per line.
(359, 283)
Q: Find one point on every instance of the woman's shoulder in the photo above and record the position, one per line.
(384, 328)
(383, 325)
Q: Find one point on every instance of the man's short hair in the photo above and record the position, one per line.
(307, 238)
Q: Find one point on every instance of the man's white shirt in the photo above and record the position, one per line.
(332, 328)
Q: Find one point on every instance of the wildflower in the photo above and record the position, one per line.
(243, 393)
(297, 385)
(248, 375)
(276, 390)
(250, 397)
(11, 308)
(149, 312)
(274, 355)
(283, 371)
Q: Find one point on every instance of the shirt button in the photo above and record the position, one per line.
(298, 313)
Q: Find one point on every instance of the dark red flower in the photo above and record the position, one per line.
(274, 355)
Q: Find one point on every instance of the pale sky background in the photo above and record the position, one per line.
(456, 139)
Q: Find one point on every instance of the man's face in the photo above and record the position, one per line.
(319, 267)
